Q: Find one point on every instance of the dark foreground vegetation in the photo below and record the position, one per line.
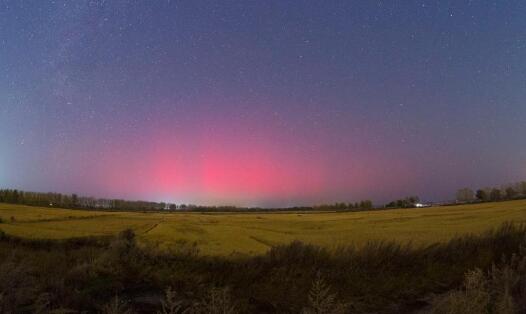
(116, 275)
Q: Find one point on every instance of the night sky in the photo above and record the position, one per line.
(262, 103)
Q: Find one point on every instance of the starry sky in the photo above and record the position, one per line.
(262, 103)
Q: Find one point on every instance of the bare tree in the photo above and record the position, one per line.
(465, 195)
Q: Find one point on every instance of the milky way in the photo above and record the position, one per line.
(269, 103)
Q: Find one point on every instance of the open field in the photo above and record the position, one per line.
(254, 233)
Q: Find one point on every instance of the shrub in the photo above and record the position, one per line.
(501, 291)
(322, 301)
(122, 245)
(17, 285)
(170, 304)
(216, 301)
(474, 298)
(127, 235)
(42, 304)
(116, 306)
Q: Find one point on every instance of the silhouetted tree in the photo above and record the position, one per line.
(465, 195)
(482, 195)
(74, 200)
(510, 193)
(495, 195)
(15, 196)
(407, 202)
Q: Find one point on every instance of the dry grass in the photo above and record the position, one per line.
(115, 275)
(254, 233)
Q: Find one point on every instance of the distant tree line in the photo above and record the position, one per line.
(75, 201)
(492, 194)
(14, 196)
(362, 205)
(408, 202)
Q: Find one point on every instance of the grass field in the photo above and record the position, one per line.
(254, 233)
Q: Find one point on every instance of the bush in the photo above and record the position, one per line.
(501, 291)
(322, 301)
(116, 306)
(474, 298)
(170, 304)
(216, 301)
(17, 285)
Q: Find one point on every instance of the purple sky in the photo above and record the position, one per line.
(269, 103)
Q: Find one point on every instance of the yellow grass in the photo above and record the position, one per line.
(254, 233)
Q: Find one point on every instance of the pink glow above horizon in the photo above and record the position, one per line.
(254, 161)
(232, 168)
(210, 169)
